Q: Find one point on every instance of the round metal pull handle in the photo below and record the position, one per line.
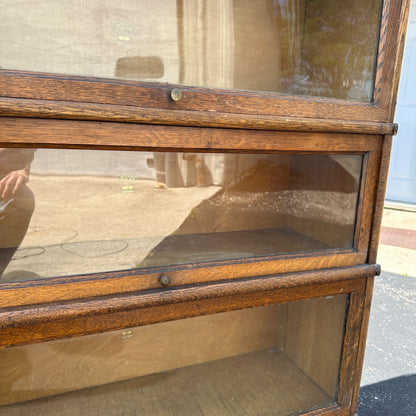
(164, 280)
(176, 94)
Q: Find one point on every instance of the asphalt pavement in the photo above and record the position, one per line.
(388, 384)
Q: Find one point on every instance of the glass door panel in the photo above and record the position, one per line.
(302, 47)
(272, 360)
(89, 211)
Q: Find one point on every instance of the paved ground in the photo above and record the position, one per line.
(397, 253)
(388, 385)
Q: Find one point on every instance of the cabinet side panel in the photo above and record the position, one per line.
(314, 337)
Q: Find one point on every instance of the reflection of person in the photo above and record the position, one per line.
(16, 201)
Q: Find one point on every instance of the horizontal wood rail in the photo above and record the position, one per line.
(14, 107)
(133, 309)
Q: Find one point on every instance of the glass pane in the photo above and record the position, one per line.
(86, 211)
(272, 360)
(308, 47)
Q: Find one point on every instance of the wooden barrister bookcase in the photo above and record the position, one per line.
(190, 203)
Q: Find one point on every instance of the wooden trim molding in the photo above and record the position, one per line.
(27, 85)
(87, 134)
(65, 319)
(80, 90)
(54, 133)
(381, 184)
(62, 289)
(13, 107)
(334, 410)
(396, 24)
(350, 351)
(362, 341)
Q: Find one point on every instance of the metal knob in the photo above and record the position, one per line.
(176, 94)
(164, 280)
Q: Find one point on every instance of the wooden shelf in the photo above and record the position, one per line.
(258, 383)
(190, 248)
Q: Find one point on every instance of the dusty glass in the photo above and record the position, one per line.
(88, 211)
(272, 360)
(304, 47)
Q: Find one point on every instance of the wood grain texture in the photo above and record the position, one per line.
(52, 321)
(334, 410)
(314, 338)
(403, 17)
(77, 363)
(368, 193)
(253, 384)
(382, 45)
(105, 358)
(54, 111)
(104, 284)
(350, 350)
(394, 27)
(16, 84)
(361, 212)
(381, 184)
(11, 107)
(37, 370)
(127, 136)
(362, 342)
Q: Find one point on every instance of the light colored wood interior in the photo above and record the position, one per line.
(44, 369)
(302, 340)
(314, 337)
(267, 383)
(329, 198)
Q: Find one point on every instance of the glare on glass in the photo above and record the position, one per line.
(89, 211)
(303, 47)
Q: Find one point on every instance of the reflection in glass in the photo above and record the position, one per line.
(102, 211)
(271, 360)
(16, 201)
(314, 48)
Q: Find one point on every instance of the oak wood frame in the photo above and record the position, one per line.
(81, 134)
(35, 324)
(222, 105)
(76, 111)
(63, 307)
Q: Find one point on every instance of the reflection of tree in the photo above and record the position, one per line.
(340, 46)
(334, 53)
